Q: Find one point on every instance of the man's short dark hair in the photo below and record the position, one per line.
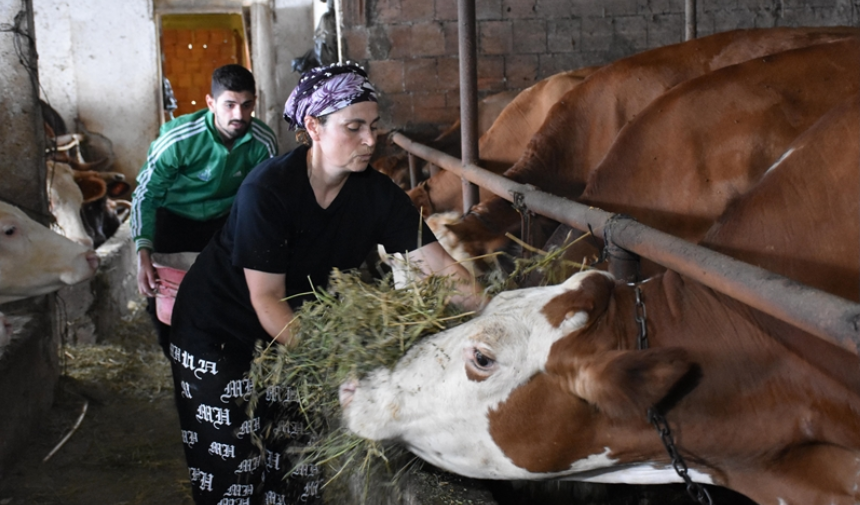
(232, 78)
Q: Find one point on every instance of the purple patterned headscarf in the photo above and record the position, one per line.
(323, 90)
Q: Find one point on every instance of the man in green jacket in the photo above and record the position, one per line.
(192, 173)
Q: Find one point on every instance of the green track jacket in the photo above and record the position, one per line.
(189, 172)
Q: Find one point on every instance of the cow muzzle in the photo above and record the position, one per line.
(346, 392)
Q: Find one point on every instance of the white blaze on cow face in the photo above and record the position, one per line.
(34, 260)
(438, 397)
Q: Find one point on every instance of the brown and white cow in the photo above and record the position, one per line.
(548, 382)
(35, 260)
(587, 121)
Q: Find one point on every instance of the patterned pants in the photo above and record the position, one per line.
(226, 466)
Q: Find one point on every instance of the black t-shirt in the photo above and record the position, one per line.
(277, 226)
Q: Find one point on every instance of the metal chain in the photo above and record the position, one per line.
(696, 491)
(526, 215)
(641, 317)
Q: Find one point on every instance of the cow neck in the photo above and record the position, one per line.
(655, 415)
(672, 304)
(624, 310)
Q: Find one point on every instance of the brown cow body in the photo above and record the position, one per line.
(827, 257)
(588, 120)
(548, 382)
(754, 111)
(396, 165)
(502, 143)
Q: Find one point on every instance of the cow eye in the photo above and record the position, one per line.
(9, 231)
(481, 361)
(480, 364)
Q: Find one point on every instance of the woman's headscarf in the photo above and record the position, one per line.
(323, 90)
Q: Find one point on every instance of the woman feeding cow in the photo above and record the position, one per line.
(296, 217)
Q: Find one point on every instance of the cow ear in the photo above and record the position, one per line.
(470, 229)
(625, 384)
(92, 188)
(588, 293)
(116, 189)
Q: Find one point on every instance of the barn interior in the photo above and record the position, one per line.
(98, 69)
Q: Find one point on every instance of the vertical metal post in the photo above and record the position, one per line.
(623, 265)
(338, 20)
(468, 95)
(690, 18)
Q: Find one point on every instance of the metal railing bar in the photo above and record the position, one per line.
(814, 311)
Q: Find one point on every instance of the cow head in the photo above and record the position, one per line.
(394, 166)
(521, 391)
(66, 199)
(420, 196)
(34, 260)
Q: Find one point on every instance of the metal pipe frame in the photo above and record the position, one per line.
(468, 95)
(814, 311)
(690, 19)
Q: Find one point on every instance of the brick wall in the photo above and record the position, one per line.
(411, 46)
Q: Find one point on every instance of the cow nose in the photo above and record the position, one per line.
(346, 392)
(93, 259)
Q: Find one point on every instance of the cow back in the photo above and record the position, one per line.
(582, 126)
(801, 219)
(707, 141)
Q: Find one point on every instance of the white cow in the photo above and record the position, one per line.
(66, 201)
(34, 260)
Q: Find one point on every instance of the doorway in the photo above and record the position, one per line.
(192, 46)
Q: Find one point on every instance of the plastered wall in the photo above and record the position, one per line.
(27, 377)
(22, 177)
(98, 63)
